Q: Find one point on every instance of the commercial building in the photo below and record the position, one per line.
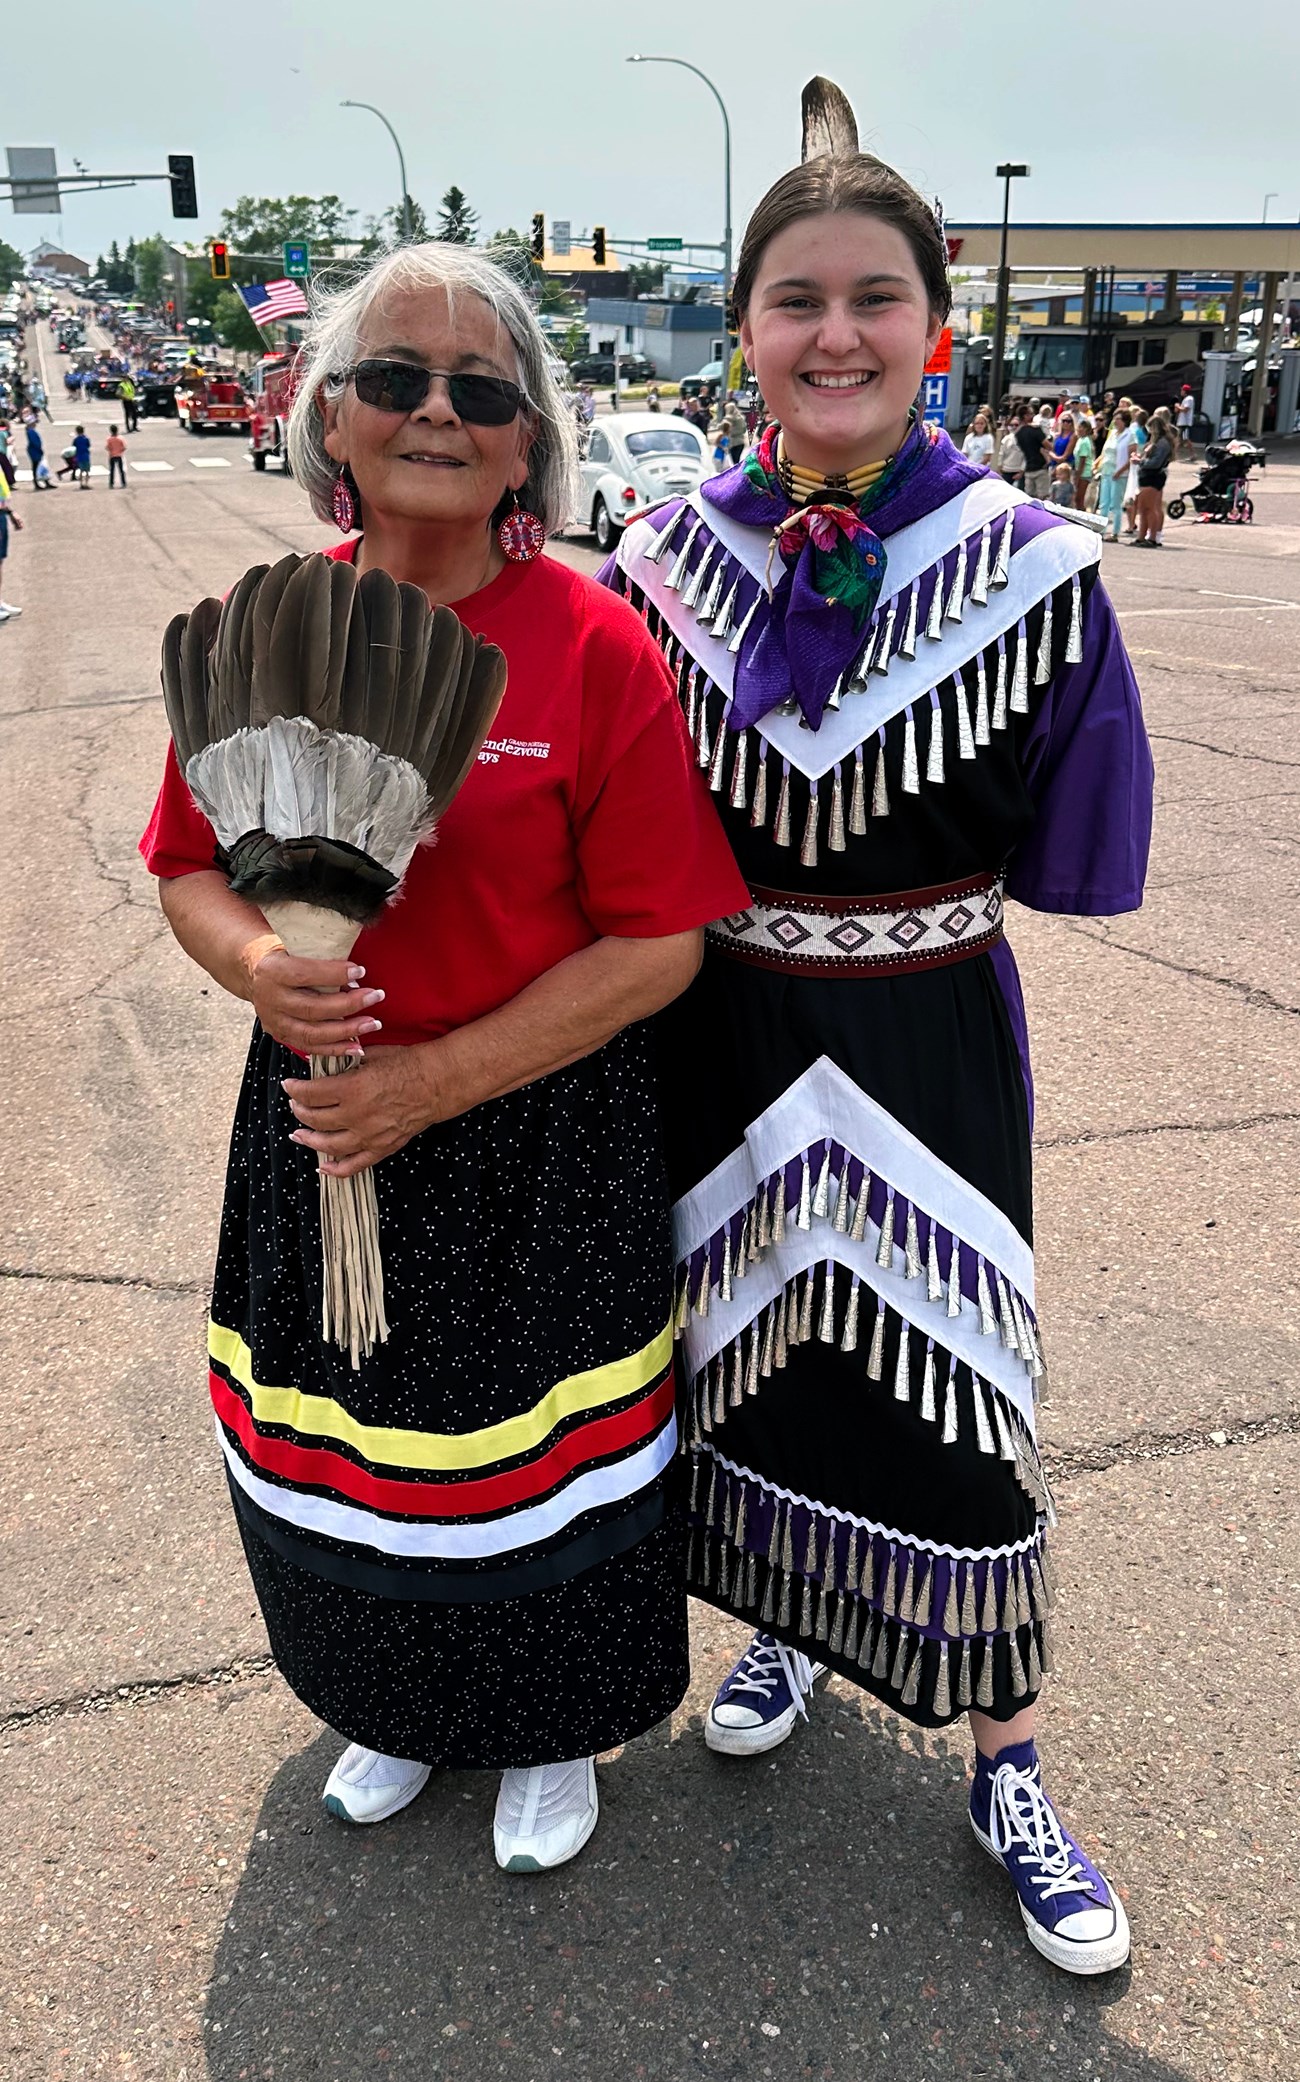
(677, 337)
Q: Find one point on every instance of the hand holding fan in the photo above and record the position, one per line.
(324, 722)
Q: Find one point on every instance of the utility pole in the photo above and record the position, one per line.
(1006, 174)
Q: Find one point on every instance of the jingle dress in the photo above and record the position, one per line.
(846, 1086)
(454, 1545)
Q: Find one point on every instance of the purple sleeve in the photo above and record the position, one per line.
(1087, 764)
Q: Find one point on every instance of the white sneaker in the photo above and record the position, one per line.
(7, 607)
(756, 1707)
(367, 1786)
(544, 1815)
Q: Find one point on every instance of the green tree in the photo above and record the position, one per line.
(153, 261)
(11, 265)
(457, 223)
(262, 223)
(232, 324)
(645, 278)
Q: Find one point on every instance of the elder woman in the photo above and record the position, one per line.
(455, 1546)
(912, 700)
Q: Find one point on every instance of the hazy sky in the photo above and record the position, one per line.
(1123, 112)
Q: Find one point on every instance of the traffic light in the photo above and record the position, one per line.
(598, 245)
(538, 243)
(185, 196)
(220, 258)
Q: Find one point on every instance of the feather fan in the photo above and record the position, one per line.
(324, 722)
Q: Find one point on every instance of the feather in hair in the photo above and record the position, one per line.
(830, 128)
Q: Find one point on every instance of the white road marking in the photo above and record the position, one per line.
(1129, 614)
(209, 462)
(1260, 599)
(152, 466)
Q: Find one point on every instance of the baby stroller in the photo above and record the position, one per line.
(1222, 493)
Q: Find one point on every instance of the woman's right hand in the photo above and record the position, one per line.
(314, 1007)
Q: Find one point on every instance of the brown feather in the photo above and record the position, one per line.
(830, 128)
(343, 593)
(298, 658)
(232, 688)
(195, 661)
(449, 642)
(265, 701)
(189, 730)
(478, 697)
(380, 604)
(417, 629)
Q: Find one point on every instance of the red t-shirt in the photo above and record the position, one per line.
(585, 814)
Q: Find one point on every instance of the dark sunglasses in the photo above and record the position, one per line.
(402, 386)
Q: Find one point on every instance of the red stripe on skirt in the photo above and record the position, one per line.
(318, 1467)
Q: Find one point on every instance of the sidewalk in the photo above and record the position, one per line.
(175, 1904)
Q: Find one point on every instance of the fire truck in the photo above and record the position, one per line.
(273, 382)
(214, 401)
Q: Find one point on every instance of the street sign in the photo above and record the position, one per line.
(934, 398)
(561, 236)
(663, 245)
(35, 181)
(297, 259)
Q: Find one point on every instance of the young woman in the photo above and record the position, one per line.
(1112, 471)
(1153, 471)
(912, 700)
(454, 1545)
(978, 445)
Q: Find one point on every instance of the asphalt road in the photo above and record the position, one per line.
(175, 1905)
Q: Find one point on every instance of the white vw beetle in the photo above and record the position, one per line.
(635, 460)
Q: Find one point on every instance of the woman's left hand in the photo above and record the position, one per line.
(361, 1115)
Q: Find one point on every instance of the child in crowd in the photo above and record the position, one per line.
(1062, 490)
(8, 519)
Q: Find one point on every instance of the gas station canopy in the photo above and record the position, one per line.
(1155, 249)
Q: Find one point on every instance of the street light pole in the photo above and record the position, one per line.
(406, 200)
(1006, 174)
(640, 58)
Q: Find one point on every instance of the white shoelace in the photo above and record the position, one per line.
(1022, 1818)
(761, 1669)
(538, 1798)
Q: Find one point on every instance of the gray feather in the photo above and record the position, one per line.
(379, 605)
(830, 128)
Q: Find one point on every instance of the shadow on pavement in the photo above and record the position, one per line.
(822, 1913)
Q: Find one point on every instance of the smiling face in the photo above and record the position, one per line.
(429, 465)
(837, 331)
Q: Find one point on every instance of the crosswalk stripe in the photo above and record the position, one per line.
(209, 462)
(153, 466)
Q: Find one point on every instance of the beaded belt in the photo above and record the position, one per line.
(864, 935)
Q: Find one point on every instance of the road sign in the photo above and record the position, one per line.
(663, 245)
(940, 362)
(34, 177)
(297, 259)
(561, 236)
(934, 398)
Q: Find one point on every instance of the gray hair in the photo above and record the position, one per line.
(333, 338)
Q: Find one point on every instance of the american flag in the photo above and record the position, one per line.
(268, 301)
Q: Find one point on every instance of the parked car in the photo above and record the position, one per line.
(635, 461)
(691, 386)
(599, 368)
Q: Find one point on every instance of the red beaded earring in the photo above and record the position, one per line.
(521, 534)
(344, 503)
